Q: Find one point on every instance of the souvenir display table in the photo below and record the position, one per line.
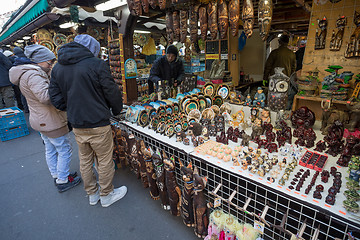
(284, 202)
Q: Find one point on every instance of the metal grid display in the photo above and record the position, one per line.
(297, 211)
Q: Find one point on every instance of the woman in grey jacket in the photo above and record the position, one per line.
(33, 80)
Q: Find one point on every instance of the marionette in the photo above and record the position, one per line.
(172, 187)
(160, 179)
(150, 173)
(201, 214)
(186, 203)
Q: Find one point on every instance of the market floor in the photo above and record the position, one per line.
(32, 208)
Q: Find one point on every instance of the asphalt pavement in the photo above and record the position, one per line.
(32, 208)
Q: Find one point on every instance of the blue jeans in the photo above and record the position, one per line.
(58, 156)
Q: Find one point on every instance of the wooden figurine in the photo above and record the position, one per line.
(193, 23)
(160, 179)
(264, 17)
(321, 37)
(183, 25)
(212, 18)
(145, 5)
(200, 206)
(176, 25)
(169, 27)
(195, 129)
(172, 187)
(353, 47)
(248, 17)
(234, 16)
(354, 121)
(150, 173)
(132, 153)
(203, 22)
(186, 203)
(143, 176)
(223, 18)
(336, 39)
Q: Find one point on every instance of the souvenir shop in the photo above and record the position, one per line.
(233, 158)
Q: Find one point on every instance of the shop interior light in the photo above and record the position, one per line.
(140, 31)
(26, 37)
(67, 25)
(110, 5)
(279, 35)
(20, 41)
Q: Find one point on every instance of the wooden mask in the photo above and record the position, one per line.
(212, 19)
(248, 17)
(264, 17)
(169, 27)
(193, 15)
(183, 25)
(223, 18)
(203, 22)
(234, 16)
(176, 25)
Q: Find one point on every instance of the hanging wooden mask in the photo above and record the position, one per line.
(336, 39)
(248, 17)
(223, 18)
(353, 47)
(153, 3)
(212, 19)
(193, 16)
(203, 22)
(137, 7)
(234, 16)
(183, 25)
(321, 37)
(145, 5)
(169, 27)
(162, 4)
(264, 17)
(176, 24)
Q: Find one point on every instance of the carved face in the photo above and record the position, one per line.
(322, 23)
(169, 164)
(341, 22)
(265, 16)
(212, 130)
(234, 9)
(156, 160)
(223, 26)
(248, 18)
(187, 174)
(199, 183)
(183, 26)
(162, 4)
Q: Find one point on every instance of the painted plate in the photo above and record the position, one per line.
(143, 119)
(161, 111)
(169, 109)
(161, 127)
(169, 130)
(208, 101)
(196, 114)
(59, 39)
(176, 108)
(184, 125)
(209, 89)
(70, 38)
(226, 107)
(190, 105)
(218, 100)
(223, 91)
(216, 109)
(177, 127)
(184, 100)
(202, 103)
(208, 113)
(47, 44)
(152, 113)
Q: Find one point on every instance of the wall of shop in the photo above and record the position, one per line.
(324, 57)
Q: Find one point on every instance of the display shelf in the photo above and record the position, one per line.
(332, 221)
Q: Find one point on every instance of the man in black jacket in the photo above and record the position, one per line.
(81, 84)
(169, 67)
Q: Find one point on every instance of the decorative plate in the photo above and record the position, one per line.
(161, 127)
(216, 109)
(208, 101)
(226, 107)
(180, 96)
(218, 100)
(153, 123)
(183, 102)
(191, 120)
(152, 113)
(195, 97)
(184, 125)
(202, 103)
(168, 117)
(143, 118)
(209, 89)
(169, 130)
(47, 44)
(177, 127)
(161, 111)
(59, 39)
(176, 108)
(208, 113)
(70, 38)
(169, 109)
(183, 117)
(190, 105)
(223, 91)
(196, 114)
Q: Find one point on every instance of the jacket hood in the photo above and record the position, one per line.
(16, 72)
(72, 53)
(22, 61)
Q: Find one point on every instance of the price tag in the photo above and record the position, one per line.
(217, 202)
(259, 227)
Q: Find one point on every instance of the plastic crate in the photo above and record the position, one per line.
(13, 132)
(11, 117)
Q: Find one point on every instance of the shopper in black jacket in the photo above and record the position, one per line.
(169, 67)
(82, 85)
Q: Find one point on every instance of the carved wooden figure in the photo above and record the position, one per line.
(353, 47)
(153, 3)
(143, 176)
(176, 25)
(223, 18)
(145, 5)
(162, 4)
(172, 187)
(203, 22)
(186, 203)
(183, 25)
(201, 211)
(132, 152)
(336, 39)
(169, 27)
(264, 17)
(212, 19)
(150, 173)
(234, 16)
(193, 22)
(160, 179)
(320, 38)
(137, 7)
(248, 17)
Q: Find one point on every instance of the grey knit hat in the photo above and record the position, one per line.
(38, 53)
(88, 41)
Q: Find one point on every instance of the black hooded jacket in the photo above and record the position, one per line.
(82, 85)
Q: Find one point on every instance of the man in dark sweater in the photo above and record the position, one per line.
(82, 85)
(169, 67)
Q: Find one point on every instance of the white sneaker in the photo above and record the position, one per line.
(114, 196)
(94, 198)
